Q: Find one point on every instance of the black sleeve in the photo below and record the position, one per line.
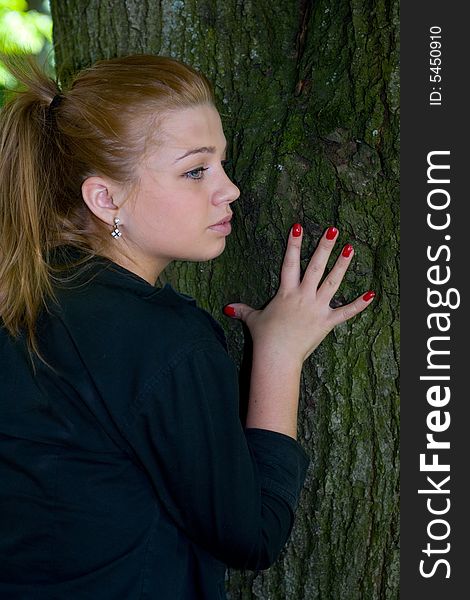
(232, 491)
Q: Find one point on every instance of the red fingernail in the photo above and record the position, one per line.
(347, 250)
(297, 230)
(229, 311)
(368, 295)
(331, 233)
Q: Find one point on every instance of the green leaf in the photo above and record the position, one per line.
(24, 31)
(6, 80)
(20, 5)
(43, 23)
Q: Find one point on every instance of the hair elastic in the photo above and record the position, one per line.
(55, 101)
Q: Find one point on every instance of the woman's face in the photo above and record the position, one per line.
(184, 191)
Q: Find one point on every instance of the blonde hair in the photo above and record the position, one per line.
(102, 125)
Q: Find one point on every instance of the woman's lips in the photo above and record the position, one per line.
(223, 226)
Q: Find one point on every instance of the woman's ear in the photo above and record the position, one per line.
(97, 194)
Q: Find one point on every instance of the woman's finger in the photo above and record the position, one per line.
(333, 280)
(317, 265)
(290, 271)
(346, 312)
(239, 310)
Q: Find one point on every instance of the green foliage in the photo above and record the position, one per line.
(23, 31)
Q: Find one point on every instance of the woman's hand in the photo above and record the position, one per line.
(299, 316)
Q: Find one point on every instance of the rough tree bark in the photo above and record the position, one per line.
(308, 93)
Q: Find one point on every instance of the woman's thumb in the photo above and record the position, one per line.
(238, 310)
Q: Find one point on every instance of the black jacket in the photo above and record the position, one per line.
(125, 472)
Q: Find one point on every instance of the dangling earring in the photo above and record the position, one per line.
(116, 232)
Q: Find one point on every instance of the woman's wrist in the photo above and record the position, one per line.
(277, 354)
(274, 389)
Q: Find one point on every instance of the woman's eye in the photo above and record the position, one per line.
(196, 174)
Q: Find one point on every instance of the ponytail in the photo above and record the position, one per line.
(28, 225)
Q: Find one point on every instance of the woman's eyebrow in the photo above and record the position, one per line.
(207, 149)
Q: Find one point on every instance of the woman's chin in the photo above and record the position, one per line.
(214, 252)
(203, 254)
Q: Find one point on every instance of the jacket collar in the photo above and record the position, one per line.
(75, 269)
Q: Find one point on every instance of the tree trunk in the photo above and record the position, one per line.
(308, 93)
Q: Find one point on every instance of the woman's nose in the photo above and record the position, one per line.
(235, 193)
(228, 191)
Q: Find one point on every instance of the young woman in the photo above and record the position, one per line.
(125, 470)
